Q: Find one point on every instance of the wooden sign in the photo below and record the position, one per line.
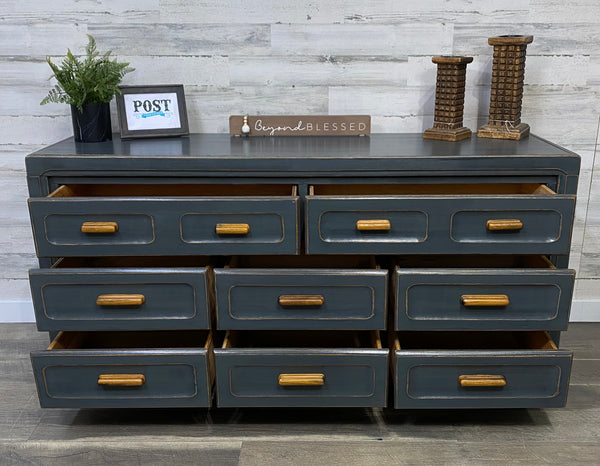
(299, 125)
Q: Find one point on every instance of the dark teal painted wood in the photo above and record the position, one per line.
(65, 299)
(534, 379)
(164, 226)
(429, 299)
(174, 378)
(455, 224)
(380, 158)
(248, 299)
(353, 377)
(377, 155)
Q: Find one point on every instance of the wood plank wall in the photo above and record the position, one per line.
(284, 56)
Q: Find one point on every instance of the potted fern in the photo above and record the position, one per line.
(87, 84)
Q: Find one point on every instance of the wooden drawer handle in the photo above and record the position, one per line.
(510, 224)
(122, 380)
(99, 227)
(373, 225)
(482, 380)
(304, 380)
(488, 300)
(301, 300)
(232, 228)
(120, 300)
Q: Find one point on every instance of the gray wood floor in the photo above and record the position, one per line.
(30, 435)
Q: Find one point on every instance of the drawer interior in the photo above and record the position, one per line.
(302, 339)
(474, 261)
(131, 340)
(173, 190)
(428, 189)
(304, 261)
(526, 340)
(132, 262)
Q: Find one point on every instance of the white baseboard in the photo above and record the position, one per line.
(585, 311)
(22, 311)
(12, 310)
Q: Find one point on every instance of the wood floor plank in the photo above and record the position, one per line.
(165, 451)
(582, 339)
(260, 453)
(586, 371)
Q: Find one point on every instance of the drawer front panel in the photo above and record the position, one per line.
(65, 229)
(539, 226)
(350, 377)
(164, 226)
(432, 299)
(438, 224)
(69, 378)
(532, 379)
(340, 226)
(66, 299)
(254, 299)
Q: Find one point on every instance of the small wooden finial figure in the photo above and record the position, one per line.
(449, 99)
(506, 95)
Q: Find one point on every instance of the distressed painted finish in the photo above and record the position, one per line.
(434, 225)
(374, 156)
(430, 299)
(429, 379)
(352, 377)
(66, 298)
(352, 299)
(164, 226)
(174, 377)
(454, 190)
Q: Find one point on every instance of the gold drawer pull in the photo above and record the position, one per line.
(305, 380)
(488, 300)
(301, 300)
(122, 380)
(120, 300)
(482, 380)
(373, 225)
(505, 224)
(99, 227)
(232, 228)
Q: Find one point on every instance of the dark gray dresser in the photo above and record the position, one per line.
(319, 271)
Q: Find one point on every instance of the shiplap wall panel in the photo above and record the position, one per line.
(549, 38)
(319, 70)
(281, 56)
(210, 104)
(340, 11)
(38, 37)
(176, 39)
(396, 40)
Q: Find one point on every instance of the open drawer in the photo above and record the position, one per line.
(484, 218)
(165, 219)
(481, 293)
(301, 292)
(123, 293)
(479, 370)
(283, 368)
(125, 369)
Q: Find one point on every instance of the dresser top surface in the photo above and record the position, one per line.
(314, 154)
(376, 145)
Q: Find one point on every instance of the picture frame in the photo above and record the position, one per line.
(152, 111)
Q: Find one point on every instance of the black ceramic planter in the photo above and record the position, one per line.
(92, 124)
